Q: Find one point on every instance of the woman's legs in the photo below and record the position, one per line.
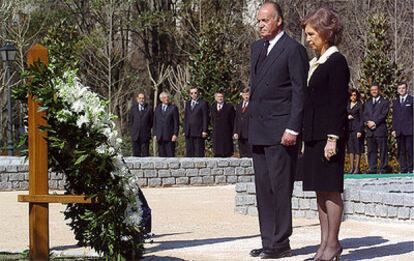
(351, 160)
(357, 161)
(323, 220)
(334, 208)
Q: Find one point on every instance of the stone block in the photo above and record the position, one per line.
(295, 203)
(251, 188)
(239, 171)
(178, 172)
(24, 185)
(245, 179)
(370, 210)
(381, 211)
(204, 172)
(409, 200)
(196, 180)
(231, 179)
(234, 162)
(223, 163)
(211, 164)
(220, 180)
(4, 177)
(61, 184)
(309, 194)
(365, 196)
(208, 180)
(241, 210)
(394, 199)
(245, 200)
(187, 164)
(164, 173)
(313, 204)
(147, 165)
(142, 182)
(11, 168)
(392, 212)
(403, 213)
(298, 192)
(249, 171)
(137, 173)
(252, 211)
(299, 213)
(311, 214)
(161, 165)
(150, 173)
(130, 165)
(353, 195)
(377, 197)
(182, 181)
(348, 207)
(359, 208)
(174, 164)
(241, 187)
(412, 213)
(5, 186)
(191, 172)
(137, 165)
(217, 171)
(154, 182)
(13, 176)
(245, 162)
(23, 168)
(304, 203)
(53, 184)
(229, 171)
(200, 164)
(168, 181)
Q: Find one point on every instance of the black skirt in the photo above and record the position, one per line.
(355, 145)
(319, 173)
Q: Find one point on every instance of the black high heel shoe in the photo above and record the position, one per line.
(336, 257)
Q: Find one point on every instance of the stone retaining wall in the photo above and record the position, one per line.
(386, 199)
(151, 172)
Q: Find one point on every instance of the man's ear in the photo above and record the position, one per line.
(279, 21)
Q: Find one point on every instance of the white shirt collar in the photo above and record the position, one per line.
(273, 41)
(315, 62)
(404, 97)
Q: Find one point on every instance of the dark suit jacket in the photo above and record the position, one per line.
(402, 116)
(196, 120)
(166, 124)
(277, 91)
(223, 125)
(241, 121)
(140, 123)
(326, 100)
(356, 124)
(377, 114)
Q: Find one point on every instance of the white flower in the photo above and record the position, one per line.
(82, 120)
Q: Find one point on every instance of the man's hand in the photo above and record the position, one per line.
(235, 136)
(394, 134)
(359, 135)
(350, 117)
(288, 139)
(371, 124)
(204, 134)
(174, 138)
(330, 149)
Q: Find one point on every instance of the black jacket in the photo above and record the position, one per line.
(277, 91)
(241, 121)
(378, 114)
(356, 124)
(326, 100)
(196, 120)
(223, 125)
(140, 123)
(166, 124)
(402, 116)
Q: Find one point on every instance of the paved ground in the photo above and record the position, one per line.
(198, 223)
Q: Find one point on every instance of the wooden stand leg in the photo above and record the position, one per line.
(39, 231)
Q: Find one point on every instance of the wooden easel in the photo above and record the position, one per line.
(39, 197)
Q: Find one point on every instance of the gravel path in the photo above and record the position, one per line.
(198, 223)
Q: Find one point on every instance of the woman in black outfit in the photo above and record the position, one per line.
(355, 143)
(325, 126)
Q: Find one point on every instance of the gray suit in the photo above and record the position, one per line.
(276, 104)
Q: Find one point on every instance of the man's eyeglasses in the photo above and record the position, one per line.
(193, 92)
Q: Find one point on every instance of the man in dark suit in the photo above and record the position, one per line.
(222, 119)
(241, 125)
(402, 127)
(195, 124)
(140, 122)
(278, 72)
(166, 125)
(374, 117)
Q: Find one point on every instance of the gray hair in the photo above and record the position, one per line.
(164, 94)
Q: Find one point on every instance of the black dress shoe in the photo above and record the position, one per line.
(276, 255)
(256, 252)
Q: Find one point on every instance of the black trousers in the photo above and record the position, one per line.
(245, 149)
(274, 168)
(194, 147)
(375, 143)
(140, 148)
(405, 153)
(166, 149)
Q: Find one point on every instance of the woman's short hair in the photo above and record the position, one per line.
(326, 22)
(358, 94)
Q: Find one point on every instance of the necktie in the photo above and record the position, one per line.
(140, 107)
(219, 107)
(402, 100)
(262, 56)
(164, 107)
(193, 104)
(244, 106)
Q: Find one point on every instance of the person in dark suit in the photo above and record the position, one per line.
(166, 125)
(355, 144)
(325, 126)
(277, 80)
(195, 124)
(241, 125)
(375, 115)
(402, 127)
(222, 120)
(140, 121)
